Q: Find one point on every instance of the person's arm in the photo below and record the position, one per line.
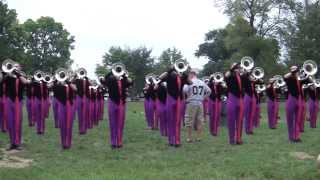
(24, 80)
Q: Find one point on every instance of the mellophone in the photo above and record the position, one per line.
(73, 93)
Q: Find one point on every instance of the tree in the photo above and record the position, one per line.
(166, 59)
(137, 61)
(11, 35)
(48, 45)
(265, 17)
(236, 41)
(305, 39)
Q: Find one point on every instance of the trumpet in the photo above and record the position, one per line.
(118, 69)
(260, 88)
(247, 63)
(316, 83)
(181, 66)
(61, 75)
(310, 68)
(38, 75)
(81, 73)
(257, 73)
(8, 66)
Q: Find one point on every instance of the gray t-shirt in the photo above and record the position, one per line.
(196, 92)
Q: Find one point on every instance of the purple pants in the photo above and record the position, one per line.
(39, 114)
(302, 114)
(249, 112)
(162, 116)
(55, 107)
(82, 109)
(66, 117)
(4, 119)
(293, 111)
(174, 120)
(14, 112)
(116, 122)
(257, 115)
(273, 109)
(149, 108)
(214, 108)
(29, 111)
(235, 118)
(313, 112)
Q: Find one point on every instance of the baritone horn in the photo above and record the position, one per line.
(247, 63)
(81, 73)
(181, 66)
(218, 77)
(48, 78)
(260, 88)
(118, 69)
(8, 66)
(279, 81)
(258, 73)
(61, 75)
(310, 68)
(38, 75)
(150, 79)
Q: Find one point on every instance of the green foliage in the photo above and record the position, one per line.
(265, 155)
(229, 45)
(305, 40)
(48, 45)
(137, 61)
(166, 59)
(42, 44)
(11, 35)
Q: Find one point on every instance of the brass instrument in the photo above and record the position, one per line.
(257, 73)
(181, 66)
(218, 77)
(310, 68)
(81, 73)
(8, 66)
(279, 81)
(118, 69)
(61, 75)
(38, 75)
(150, 79)
(247, 63)
(48, 78)
(260, 88)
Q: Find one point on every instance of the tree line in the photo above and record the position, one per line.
(275, 33)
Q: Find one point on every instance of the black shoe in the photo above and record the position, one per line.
(12, 147)
(177, 145)
(113, 147)
(239, 143)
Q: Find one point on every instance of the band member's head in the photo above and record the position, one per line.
(193, 74)
(294, 69)
(234, 66)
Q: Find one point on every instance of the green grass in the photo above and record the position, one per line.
(265, 155)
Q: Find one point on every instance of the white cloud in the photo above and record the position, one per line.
(99, 24)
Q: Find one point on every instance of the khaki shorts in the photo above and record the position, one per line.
(194, 115)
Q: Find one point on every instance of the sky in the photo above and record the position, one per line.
(99, 24)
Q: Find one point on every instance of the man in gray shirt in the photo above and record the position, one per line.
(195, 93)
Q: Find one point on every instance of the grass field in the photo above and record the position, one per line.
(265, 155)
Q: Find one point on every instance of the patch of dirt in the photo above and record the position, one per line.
(9, 159)
(302, 155)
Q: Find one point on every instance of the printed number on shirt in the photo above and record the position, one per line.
(197, 90)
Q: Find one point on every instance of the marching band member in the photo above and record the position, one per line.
(150, 103)
(313, 103)
(161, 92)
(38, 110)
(55, 106)
(117, 84)
(249, 101)
(195, 93)
(82, 83)
(293, 105)
(65, 92)
(258, 93)
(217, 86)
(3, 122)
(14, 84)
(234, 103)
(175, 79)
(100, 103)
(272, 92)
